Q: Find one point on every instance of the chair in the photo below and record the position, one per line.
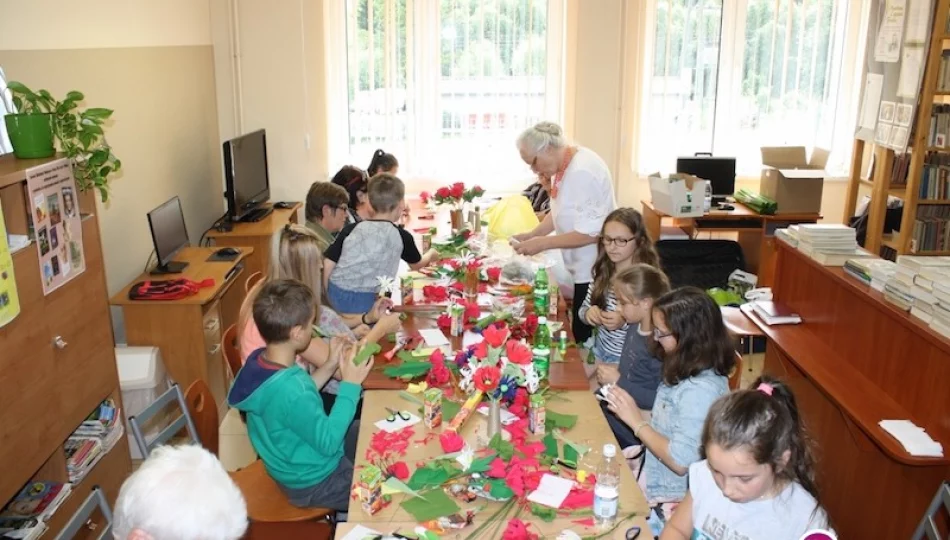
(735, 376)
(928, 525)
(232, 352)
(700, 263)
(252, 280)
(265, 501)
(182, 422)
(96, 499)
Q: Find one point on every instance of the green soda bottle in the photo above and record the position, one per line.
(541, 351)
(541, 293)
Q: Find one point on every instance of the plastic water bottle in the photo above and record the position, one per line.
(607, 488)
(541, 293)
(707, 200)
(541, 351)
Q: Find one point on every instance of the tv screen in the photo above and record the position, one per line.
(169, 235)
(245, 172)
(720, 171)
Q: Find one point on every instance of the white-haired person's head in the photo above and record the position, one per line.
(180, 493)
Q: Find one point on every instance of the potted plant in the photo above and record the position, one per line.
(78, 131)
(31, 128)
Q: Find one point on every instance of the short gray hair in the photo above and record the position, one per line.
(181, 493)
(542, 135)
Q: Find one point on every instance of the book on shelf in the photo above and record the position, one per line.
(94, 438)
(840, 259)
(37, 500)
(22, 529)
(771, 312)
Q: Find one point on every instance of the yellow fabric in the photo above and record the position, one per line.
(511, 215)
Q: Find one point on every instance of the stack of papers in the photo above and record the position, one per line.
(829, 244)
(771, 313)
(94, 438)
(881, 271)
(913, 438)
(789, 235)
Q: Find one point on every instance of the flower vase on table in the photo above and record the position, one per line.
(455, 215)
(454, 195)
(470, 283)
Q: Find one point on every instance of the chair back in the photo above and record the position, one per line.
(700, 263)
(251, 281)
(232, 352)
(928, 525)
(204, 414)
(136, 422)
(735, 376)
(96, 499)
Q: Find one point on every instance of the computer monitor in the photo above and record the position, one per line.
(720, 171)
(247, 184)
(167, 223)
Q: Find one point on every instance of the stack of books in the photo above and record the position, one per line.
(830, 244)
(881, 272)
(771, 313)
(864, 269)
(26, 515)
(911, 286)
(98, 433)
(789, 235)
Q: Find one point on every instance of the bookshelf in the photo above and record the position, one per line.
(920, 177)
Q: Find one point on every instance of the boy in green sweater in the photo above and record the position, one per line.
(307, 452)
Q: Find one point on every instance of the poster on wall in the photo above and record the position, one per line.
(9, 302)
(54, 205)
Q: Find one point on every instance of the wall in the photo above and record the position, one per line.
(153, 64)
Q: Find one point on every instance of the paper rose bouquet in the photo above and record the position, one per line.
(453, 195)
(498, 366)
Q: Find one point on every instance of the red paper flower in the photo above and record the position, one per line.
(425, 197)
(435, 293)
(400, 470)
(466, 234)
(531, 324)
(519, 405)
(578, 498)
(478, 191)
(457, 190)
(497, 469)
(486, 378)
(493, 272)
(531, 450)
(451, 441)
(481, 350)
(517, 352)
(457, 286)
(443, 193)
(496, 336)
(438, 376)
(517, 530)
(472, 311)
(454, 264)
(444, 321)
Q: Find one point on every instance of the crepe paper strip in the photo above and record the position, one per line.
(517, 530)
(415, 388)
(570, 456)
(500, 490)
(578, 498)
(395, 485)
(406, 356)
(586, 522)
(581, 449)
(550, 446)
(451, 441)
(400, 470)
(557, 420)
(407, 370)
(497, 469)
(546, 513)
(426, 477)
(518, 431)
(370, 349)
(531, 450)
(384, 444)
(430, 505)
(504, 448)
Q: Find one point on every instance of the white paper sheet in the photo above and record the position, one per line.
(433, 337)
(872, 100)
(398, 423)
(471, 338)
(912, 437)
(359, 533)
(887, 47)
(918, 21)
(551, 491)
(883, 134)
(905, 114)
(912, 65)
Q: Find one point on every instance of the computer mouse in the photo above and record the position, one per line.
(283, 205)
(228, 252)
(726, 207)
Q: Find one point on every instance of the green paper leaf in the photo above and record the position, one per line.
(449, 410)
(406, 356)
(407, 370)
(504, 448)
(550, 446)
(398, 485)
(557, 420)
(431, 505)
(499, 489)
(481, 464)
(427, 477)
(570, 455)
(368, 350)
(547, 514)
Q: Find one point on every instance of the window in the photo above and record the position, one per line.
(730, 76)
(5, 108)
(444, 85)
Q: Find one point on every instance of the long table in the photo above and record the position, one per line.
(591, 429)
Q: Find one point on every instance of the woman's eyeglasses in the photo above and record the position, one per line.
(619, 242)
(657, 335)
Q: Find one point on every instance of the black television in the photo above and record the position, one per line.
(247, 184)
(169, 236)
(720, 171)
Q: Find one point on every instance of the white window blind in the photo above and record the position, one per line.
(6, 107)
(444, 85)
(730, 76)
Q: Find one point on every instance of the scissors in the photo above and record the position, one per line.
(402, 415)
(633, 533)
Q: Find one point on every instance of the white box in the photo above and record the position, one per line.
(142, 379)
(679, 195)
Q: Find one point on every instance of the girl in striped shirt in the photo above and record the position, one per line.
(623, 242)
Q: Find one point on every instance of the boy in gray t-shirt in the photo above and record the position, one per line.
(364, 251)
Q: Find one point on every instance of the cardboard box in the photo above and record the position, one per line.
(679, 195)
(791, 180)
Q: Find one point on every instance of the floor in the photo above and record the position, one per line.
(236, 452)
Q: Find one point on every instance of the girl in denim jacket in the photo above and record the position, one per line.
(697, 354)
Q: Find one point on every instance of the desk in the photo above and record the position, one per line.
(755, 232)
(591, 428)
(188, 331)
(256, 235)
(854, 361)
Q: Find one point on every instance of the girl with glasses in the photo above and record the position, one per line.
(697, 354)
(623, 243)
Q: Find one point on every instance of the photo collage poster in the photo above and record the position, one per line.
(54, 204)
(9, 301)
(898, 44)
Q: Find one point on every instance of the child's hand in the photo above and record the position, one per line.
(620, 403)
(361, 331)
(593, 316)
(349, 371)
(607, 374)
(338, 346)
(612, 320)
(389, 323)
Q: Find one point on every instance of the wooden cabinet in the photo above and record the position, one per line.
(57, 360)
(188, 331)
(257, 235)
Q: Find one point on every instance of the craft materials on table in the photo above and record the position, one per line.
(551, 491)
(397, 420)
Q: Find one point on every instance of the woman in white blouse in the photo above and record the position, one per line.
(582, 194)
